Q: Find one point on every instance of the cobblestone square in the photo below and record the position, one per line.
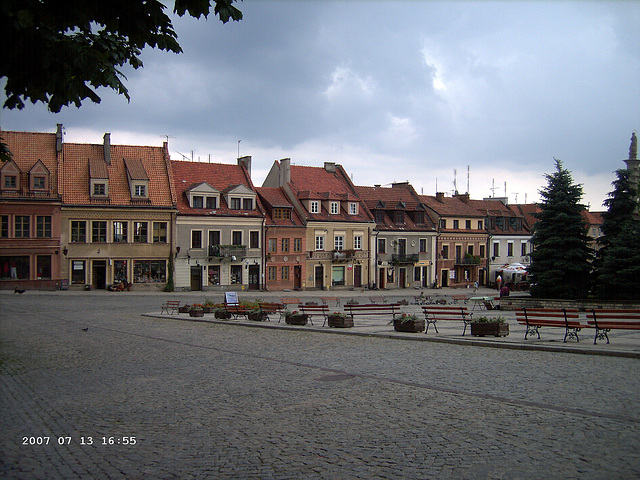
(91, 388)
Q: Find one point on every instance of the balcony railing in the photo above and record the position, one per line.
(228, 251)
(339, 255)
(405, 258)
(468, 260)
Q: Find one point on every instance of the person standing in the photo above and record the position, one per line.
(499, 282)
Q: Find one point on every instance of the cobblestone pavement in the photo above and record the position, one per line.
(146, 397)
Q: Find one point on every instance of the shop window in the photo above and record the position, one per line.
(214, 274)
(14, 267)
(149, 271)
(43, 267)
(120, 271)
(337, 275)
(236, 274)
(78, 272)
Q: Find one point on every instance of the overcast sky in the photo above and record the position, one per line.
(392, 90)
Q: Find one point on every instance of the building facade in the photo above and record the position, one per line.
(117, 215)
(219, 227)
(403, 241)
(30, 210)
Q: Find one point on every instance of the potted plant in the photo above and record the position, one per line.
(295, 318)
(196, 311)
(340, 320)
(184, 308)
(483, 326)
(408, 323)
(257, 315)
(208, 306)
(221, 313)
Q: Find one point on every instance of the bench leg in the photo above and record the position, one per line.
(430, 322)
(601, 333)
(571, 333)
(531, 329)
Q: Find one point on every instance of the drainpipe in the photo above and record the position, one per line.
(375, 268)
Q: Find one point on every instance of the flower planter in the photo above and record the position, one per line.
(257, 316)
(490, 329)
(339, 321)
(297, 319)
(208, 309)
(222, 315)
(411, 326)
(184, 309)
(196, 313)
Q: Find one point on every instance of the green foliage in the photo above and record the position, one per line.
(498, 320)
(618, 262)
(560, 264)
(61, 52)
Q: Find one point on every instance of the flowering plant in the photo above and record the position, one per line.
(408, 317)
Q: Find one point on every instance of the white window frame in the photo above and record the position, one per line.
(357, 242)
(338, 242)
(335, 208)
(319, 243)
(353, 208)
(314, 206)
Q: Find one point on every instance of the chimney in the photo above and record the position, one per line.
(285, 171)
(330, 167)
(440, 196)
(59, 138)
(400, 185)
(107, 148)
(246, 161)
(463, 196)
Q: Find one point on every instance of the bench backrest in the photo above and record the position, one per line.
(561, 315)
(173, 303)
(615, 315)
(372, 308)
(314, 308)
(446, 312)
(270, 307)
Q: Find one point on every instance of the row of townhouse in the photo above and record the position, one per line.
(89, 216)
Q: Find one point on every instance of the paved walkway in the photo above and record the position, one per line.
(118, 394)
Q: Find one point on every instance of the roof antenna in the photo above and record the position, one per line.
(468, 177)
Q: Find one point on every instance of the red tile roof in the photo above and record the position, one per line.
(221, 176)
(277, 198)
(400, 197)
(29, 147)
(75, 173)
(450, 206)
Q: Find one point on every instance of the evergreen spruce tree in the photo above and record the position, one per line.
(618, 262)
(560, 261)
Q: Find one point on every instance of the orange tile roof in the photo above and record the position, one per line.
(75, 173)
(221, 176)
(29, 147)
(450, 206)
(275, 197)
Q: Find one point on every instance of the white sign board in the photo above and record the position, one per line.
(231, 298)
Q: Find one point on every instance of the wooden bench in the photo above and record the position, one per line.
(434, 313)
(272, 309)
(605, 320)
(236, 310)
(290, 301)
(171, 307)
(326, 300)
(460, 298)
(315, 310)
(373, 309)
(379, 299)
(535, 318)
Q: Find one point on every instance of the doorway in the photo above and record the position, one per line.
(445, 278)
(297, 277)
(196, 278)
(402, 278)
(254, 277)
(357, 275)
(319, 277)
(99, 274)
(382, 281)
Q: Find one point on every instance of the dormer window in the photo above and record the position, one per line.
(335, 208)
(353, 208)
(197, 201)
(10, 176)
(240, 197)
(99, 189)
(139, 190)
(212, 203)
(98, 178)
(138, 178)
(39, 183)
(314, 206)
(39, 177)
(282, 213)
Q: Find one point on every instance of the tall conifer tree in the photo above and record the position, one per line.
(618, 263)
(560, 261)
